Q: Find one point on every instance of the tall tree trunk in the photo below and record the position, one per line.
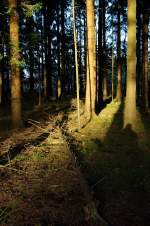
(145, 103)
(80, 54)
(100, 56)
(58, 55)
(63, 55)
(1, 83)
(113, 61)
(138, 52)
(85, 53)
(31, 68)
(39, 78)
(119, 72)
(47, 73)
(91, 58)
(15, 71)
(1, 55)
(130, 103)
(104, 50)
(31, 52)
(76, 63)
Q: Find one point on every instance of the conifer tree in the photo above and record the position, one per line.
(14, 63)
(130, 102)
(91, 59)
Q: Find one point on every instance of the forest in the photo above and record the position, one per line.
(74, 113)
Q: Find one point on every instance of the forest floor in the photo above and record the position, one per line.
(116, 163)
(43, 183)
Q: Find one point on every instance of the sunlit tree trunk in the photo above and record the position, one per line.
(14, 61)
(145, 63)
(119, 69)
(91, 59)
(80, 53)
(76, 63)
(130, 103)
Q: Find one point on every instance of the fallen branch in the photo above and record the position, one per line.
(98, 182)
(39, 127)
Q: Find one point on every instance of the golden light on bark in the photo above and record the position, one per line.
(130, 112)
(14, 63)
(91, 58)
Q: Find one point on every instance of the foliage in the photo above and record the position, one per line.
(29, 9)
(18, 63)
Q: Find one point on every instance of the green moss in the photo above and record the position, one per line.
(22, 157)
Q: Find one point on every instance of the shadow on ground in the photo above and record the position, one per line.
(118, 170)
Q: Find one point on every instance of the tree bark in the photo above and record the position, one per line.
(100, 56)
(138, 52)
(105, 93)
(47, 73)
(119, 71)
(145, 103)
(91, 59)
(130, 103)
(58, 92)
(76, 64)
(63, 55)
(14, 61)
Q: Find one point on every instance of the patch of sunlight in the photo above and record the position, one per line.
(22, 157)
(38, 156)
(99, 125)
(108, 113)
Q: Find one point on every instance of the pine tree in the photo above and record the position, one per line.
(145, 103)
(119, 69)
(91, 59)
(14, 63)
(130, 102)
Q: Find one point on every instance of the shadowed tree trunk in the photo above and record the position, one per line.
(63, 55)
(138, 52)
(31, 54)
(119, 78)
(1, 83)
(58, 55)
(48, 63)
(1, 55)
(100, 56)
(105, 94)
(14, 62)
(145, 63)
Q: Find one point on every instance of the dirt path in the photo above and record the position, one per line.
(42, 184)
